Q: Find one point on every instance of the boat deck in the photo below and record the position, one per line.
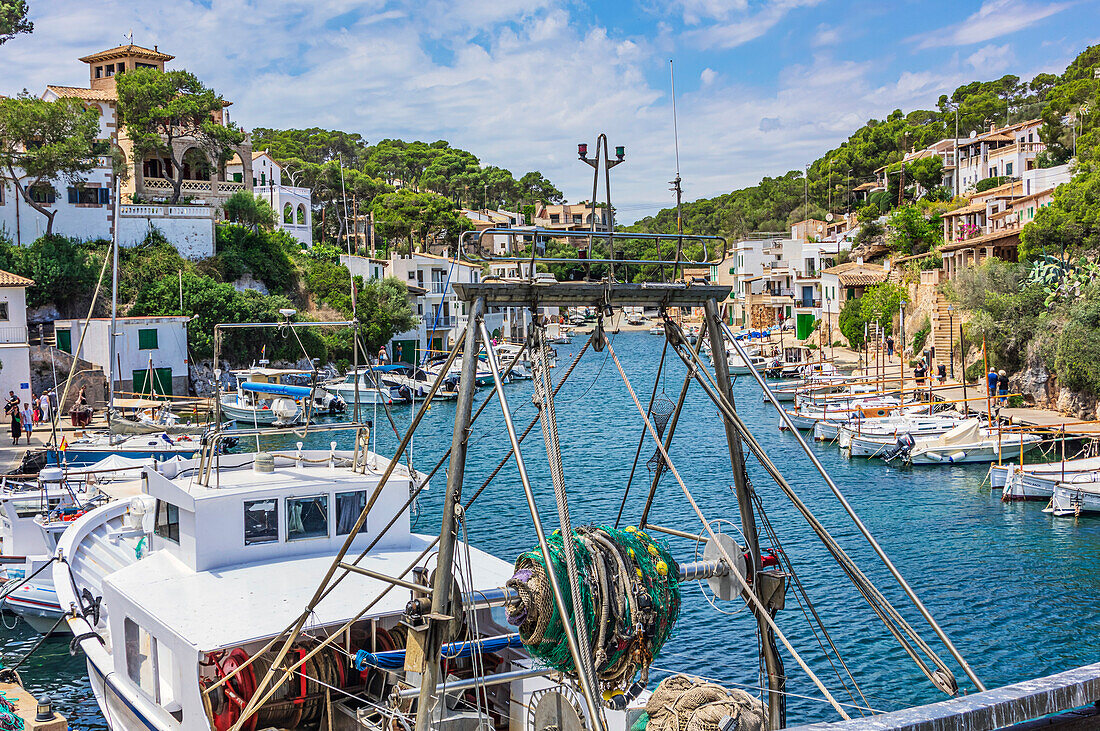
(236, 604)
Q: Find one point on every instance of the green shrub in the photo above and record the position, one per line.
(989, 183)
(851, 323)
(975, 372)
(264, 254)
(1076, 349)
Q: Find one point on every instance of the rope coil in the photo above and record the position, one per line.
(629, 593)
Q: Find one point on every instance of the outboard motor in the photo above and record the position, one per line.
(902, 447)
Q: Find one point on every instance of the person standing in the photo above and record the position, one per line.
(28, 421)
(44, 403)
(382, 355)
(1002, 386)
(12, 409)
(992, 379)
(889, 346)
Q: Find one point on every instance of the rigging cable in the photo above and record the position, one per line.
(641, 437)
(759, 607)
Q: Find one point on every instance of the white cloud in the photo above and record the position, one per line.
(738, 25)
(991, 59)
(825, 35)
(995, 18)
(517, 83)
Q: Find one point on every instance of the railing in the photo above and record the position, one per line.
(13, 334)
(439, 288)
(195, 186)
(150, 211)
(807, 303)
(439, 323)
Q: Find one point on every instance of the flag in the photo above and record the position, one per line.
(64, 444)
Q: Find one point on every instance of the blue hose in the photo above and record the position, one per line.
(395, 659)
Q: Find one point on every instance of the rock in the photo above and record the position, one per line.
(247, 281)
(1081, 405)
(202, 377)
(43, 314)
(1034, 382)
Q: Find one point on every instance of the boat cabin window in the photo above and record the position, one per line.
(261, 521)
(167, 524)
(349, 505)
(306, 517)
(30, 507)
(141, 659)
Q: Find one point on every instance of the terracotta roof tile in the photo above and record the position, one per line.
(76, 92)
(7, 279)
(127, 50)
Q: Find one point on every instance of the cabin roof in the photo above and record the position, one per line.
(257, 601)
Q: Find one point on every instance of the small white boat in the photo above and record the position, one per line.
(32, 519)
(1046, 472)
(875, 437)
(91, 447)
(1078, 495)
(261, 399)
(361, 385)
(967, 443)
(657, 330)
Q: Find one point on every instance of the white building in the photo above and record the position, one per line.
(365, 266)
(293, 205)
(86, 210)
(15, 355)
(1002, 151)
(152, 351)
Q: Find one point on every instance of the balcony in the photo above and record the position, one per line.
(439, 288)
(13, 334)
(808, 304)
(443, 322)
(193, 187)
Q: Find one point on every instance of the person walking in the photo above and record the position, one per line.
(382, 355)
(44, 403)
(1002, 386)
(919, 373)
(889, 346)
(991, 379)
(941, 373)
(27, 421)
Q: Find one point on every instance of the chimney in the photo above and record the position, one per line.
(154, 47)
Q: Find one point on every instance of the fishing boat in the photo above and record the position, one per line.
(147, 416)
(33, 517)
(967, 442)
(368, 385)
(261, 398)
(511, 354)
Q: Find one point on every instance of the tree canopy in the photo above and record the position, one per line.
(41, 142)
(160, 109)
(13, 19)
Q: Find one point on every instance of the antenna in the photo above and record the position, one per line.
(675, 128)
(675, 183)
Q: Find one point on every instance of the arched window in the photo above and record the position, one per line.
(196, 165)
(288, 213)
(301, 214)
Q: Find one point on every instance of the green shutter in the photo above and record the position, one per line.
(238, 177)
(161, 382)
(147, 339)
(65, 340)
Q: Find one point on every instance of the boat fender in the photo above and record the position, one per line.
(934, 456)
(956, 456)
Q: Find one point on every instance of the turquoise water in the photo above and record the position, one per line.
(1015, 589)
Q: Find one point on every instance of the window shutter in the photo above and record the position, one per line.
(147, 339)
(74, 196)
(104, 196)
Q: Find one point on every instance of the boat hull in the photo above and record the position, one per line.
(963, 454)
(1073, 499)
(1022, 486)
(259, 416)
(36, 603)
(84, 457)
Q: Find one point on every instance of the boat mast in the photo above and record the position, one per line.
(676, 182)
(114, 301)
(442, 587)
(772, 662)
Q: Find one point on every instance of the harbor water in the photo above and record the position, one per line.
(1015, 589)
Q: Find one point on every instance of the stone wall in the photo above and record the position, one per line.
(46, 361)
(189, 228)
(761, 316)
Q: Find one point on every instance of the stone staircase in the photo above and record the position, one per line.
(944, 329)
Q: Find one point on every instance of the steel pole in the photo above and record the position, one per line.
(444, 574)
(588, 691)
(863, 528)
(772, 662)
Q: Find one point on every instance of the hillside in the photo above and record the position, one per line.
(775, 202)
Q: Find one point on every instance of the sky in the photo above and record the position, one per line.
(761, 87)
